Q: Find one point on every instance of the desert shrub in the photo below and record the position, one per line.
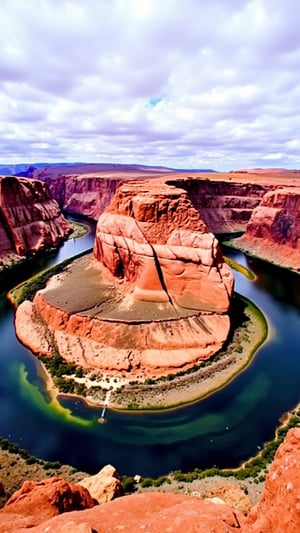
(147, 482)
(79, 372)
(49, 465)
(128, 484)
(31, 460)
(133, 405)
(160, 481)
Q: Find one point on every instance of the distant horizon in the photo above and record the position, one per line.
(23, 166)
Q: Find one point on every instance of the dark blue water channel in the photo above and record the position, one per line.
(222, 430)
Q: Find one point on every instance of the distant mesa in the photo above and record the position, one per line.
(153, 298)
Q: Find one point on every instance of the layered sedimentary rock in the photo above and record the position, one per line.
(225, 205)
(276, 512)
(152, 236)
(88, 189)
(154, 298)
(273, 232)
(30, 219)
(225, 201)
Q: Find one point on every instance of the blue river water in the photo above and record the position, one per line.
(223, 429)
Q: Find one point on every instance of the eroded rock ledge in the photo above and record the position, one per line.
(154, 297)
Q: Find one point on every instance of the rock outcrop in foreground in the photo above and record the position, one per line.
(153, 299)
(273, 231)
(278, 511)
(30, 219)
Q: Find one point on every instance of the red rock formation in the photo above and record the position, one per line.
(224, 200)
(273, 232)
(30, 220)
(38, 501)
(277, 512)
(88, 189)
(225, 205)
(174, 281)
(152, 236)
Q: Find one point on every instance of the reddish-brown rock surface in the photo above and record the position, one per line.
(88, 189)
(156, 275)
(30, 219)
(37, 501)
(273, 232)
(277, 512)
(224, 200)
(152, 235)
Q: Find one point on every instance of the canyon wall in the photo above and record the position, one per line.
(273, 231)
(225, 201)
(30, 219)
(88, 189)
(40, 507)
(225, 205)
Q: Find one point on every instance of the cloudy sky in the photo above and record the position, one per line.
(182, 83)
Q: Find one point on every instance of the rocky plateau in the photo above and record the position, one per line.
(154, 297)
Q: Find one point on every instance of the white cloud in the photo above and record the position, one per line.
(195, 83)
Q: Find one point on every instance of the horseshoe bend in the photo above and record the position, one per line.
(152, 299)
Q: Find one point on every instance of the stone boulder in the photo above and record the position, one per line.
(232, 495)
(104, 486)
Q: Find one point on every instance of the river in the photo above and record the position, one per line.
(223, 429)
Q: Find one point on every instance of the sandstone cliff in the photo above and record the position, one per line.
(30, 220)
(273, 232)
(88, 189)
(225, 205)
(152, 235)
(277, 512)
(156, 275)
